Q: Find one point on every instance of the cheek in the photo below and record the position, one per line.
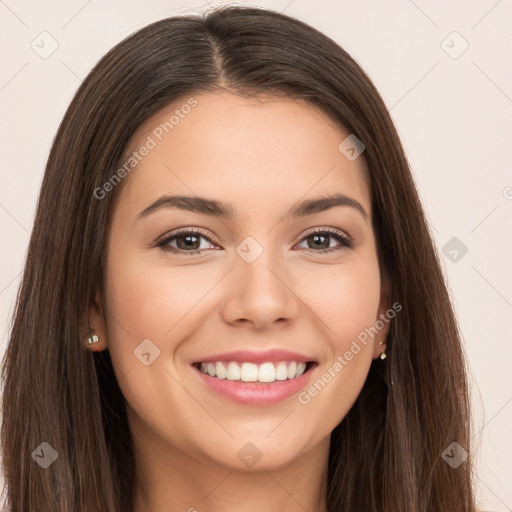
(354, 308)
(345, 297)
(149, 302)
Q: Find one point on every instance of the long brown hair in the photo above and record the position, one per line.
(386, 455)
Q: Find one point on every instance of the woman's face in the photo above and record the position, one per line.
(256, 280)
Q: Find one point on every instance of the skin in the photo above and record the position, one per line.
(262, 157)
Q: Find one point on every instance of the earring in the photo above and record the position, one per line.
(383, 355)
(92, 339)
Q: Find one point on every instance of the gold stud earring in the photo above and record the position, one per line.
(383, 355)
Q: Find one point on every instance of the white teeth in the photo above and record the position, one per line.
(267, 372)
(233, 371)
(220, 371)
(281, 371)
(292, 370)
(250, 372)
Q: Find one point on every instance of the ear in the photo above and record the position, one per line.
(96, 321)
(382, 320)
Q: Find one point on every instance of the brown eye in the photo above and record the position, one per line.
(321, 240)
(188, 241)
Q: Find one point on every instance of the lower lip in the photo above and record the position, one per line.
(256, 393)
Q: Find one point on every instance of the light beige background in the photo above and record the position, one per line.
(453, 114)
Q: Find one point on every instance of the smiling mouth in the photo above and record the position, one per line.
(247, 372)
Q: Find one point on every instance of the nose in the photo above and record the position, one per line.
(261, 294)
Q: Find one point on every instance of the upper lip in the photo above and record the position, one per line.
(256, 357)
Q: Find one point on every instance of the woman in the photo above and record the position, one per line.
(231, 299)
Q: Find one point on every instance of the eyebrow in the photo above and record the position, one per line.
(215, 208)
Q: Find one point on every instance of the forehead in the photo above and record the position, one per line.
(251, 152)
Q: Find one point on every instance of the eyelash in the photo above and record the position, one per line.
(346, 242)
